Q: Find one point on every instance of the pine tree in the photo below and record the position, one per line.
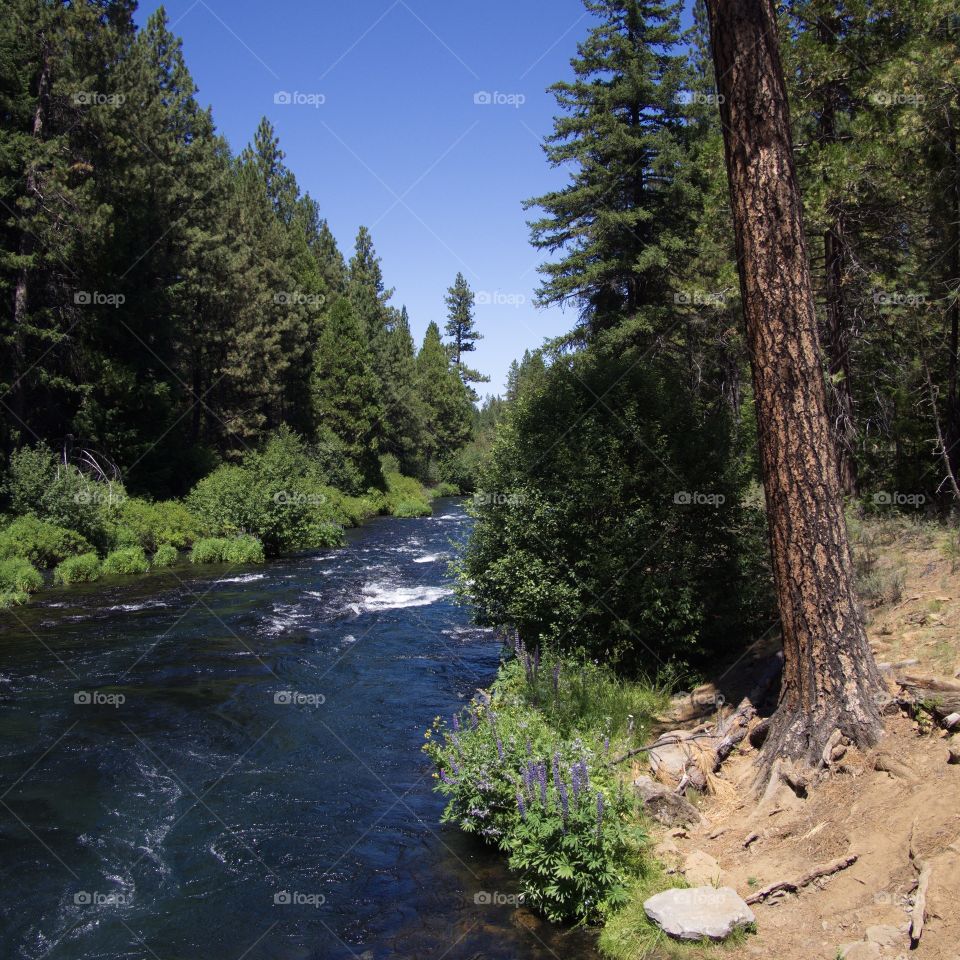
(623, 221)
(404, 414)
(346, 393)
(462, 332)
(366, 289)
(448, 411)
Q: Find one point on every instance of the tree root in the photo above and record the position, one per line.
(792, 886)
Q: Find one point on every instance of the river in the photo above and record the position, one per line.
(227, 765)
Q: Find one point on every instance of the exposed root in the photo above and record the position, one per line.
(792, 886)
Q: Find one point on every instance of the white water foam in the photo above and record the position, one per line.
(136, 607)
(246, 578)
(430, 558)
(284, 617)
(378, 596)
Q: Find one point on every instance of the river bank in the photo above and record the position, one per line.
(175, 818)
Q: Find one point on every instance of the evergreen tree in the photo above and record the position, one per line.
(623, 221)
(447, 407)
(404, 414)
(366, 289)
(462, 332)
(346, 393)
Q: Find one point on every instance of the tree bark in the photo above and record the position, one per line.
(952, 440)
(830, 678)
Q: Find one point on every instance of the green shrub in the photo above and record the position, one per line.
(19, 576)
(42, 543)
(166, 556)
(12, 598)
(148, 525)
(126, 561)
(236, 550)
(444, 489)
(278, 496)
(209, 550)
(244, 550)
(82, 569)
(544, 793)
(411, 508)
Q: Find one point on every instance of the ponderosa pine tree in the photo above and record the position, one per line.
(346, 393)
(366, 290)
(623, 221)
(461, 330)
(830, 678)
(404, 414)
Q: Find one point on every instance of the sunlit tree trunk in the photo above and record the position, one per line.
(830, 677)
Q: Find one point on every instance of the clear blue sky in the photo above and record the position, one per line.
(399, 143)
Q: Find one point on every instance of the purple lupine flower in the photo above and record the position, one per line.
(606, 746)
(445, 778)
(575, 782)
(499, 747)
(564, 800)
(529, 748)
(454, 767)
(542, 779)
(585, 774)
(556, 769)
(599, 813)
(521, 806)
(456, 721)
(474, 720)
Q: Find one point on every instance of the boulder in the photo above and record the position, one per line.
(699, 912)
(860, 950)
(663, 805)
(887, 936)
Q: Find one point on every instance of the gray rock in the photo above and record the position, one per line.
(699, 912)
(860, 950)
(663, 805)
(887, 936)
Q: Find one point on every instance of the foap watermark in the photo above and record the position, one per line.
(896, 98)
(294, 298)
(294, 698)
(97, 298)
(97, 698)
(293, 498)
(898, 298)
(493, 898)
(297, 98)
(707, 699)
(499, 499)
(494, 98)
(92, 98)
(92, 898)
(694, 498)
(496, 298)
(698, 97)
(700, 298)
(895, 498)
(101, 498)
(293, 898)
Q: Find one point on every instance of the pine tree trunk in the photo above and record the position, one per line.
(830, 677)
(953, 269)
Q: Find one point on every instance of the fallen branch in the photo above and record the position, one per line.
(663, 742)
(919, 913)
(792, 886)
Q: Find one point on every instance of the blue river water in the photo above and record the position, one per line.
(219, 764)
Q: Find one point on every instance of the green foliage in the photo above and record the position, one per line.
(445, 397)
(405, 497)
(19, 576)
(166, 555)
(82, 569)
(461, 329)
(125, 562)
(145, 524)
(278, 496)
(630, 527)
(44, 544)
(234, 550)
(543, 795)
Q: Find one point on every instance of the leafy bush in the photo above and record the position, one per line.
(126, 561)
(148, 525)
(405, 497)
(444, 489)
(544, 796)
(19, 576)
(42, 543)
(166, 556)
(12, 598)
(630, 526)
(82, 569)
(278, 496)
(238, 550)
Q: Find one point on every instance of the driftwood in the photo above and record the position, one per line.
(792, 886)
(942, 696)
(919, 913)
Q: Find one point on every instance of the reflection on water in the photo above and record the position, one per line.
(226, 764)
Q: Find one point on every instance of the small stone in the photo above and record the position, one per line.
(885, 936)
(951, 721)
(663, 805)
(699, 912)
(702, 870)
(860, 950)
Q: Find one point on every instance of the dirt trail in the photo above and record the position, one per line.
(894, 819)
